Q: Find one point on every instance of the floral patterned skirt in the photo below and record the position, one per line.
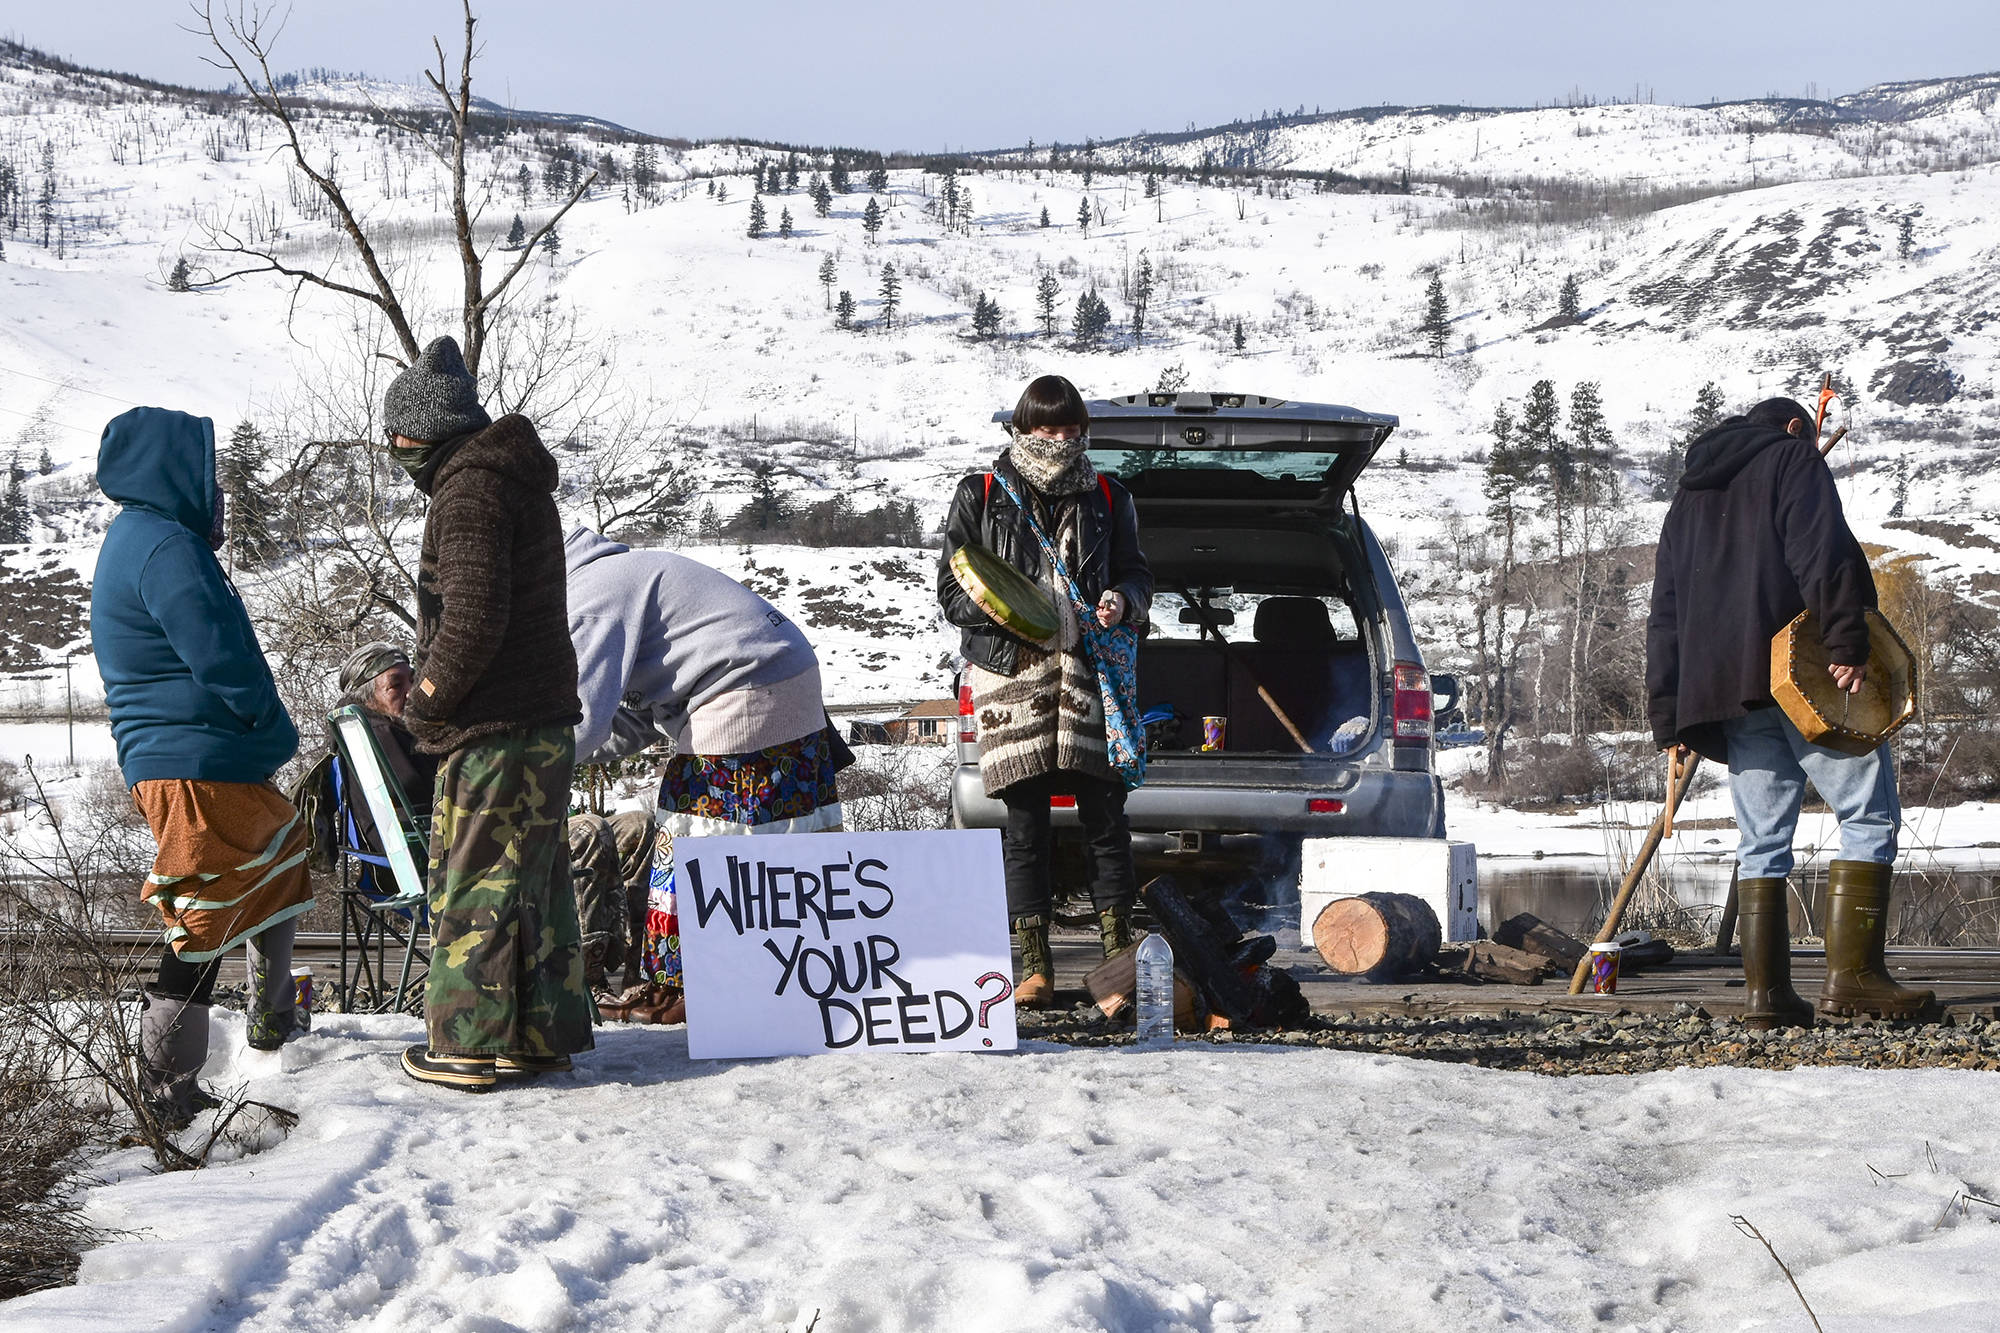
(787, 788)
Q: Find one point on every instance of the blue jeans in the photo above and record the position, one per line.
(1769, 762)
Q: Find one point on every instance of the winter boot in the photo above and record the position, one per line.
(1037, 985)
(173, 1046)
(271, 1020)
(1114, 929)
(521, 1063)
(1764, 929)
(1857, 926)
(470, 1073)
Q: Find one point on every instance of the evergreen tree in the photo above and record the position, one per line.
(1152, 189)
(878, 180)
(1142, 297)
(517, 235)
(1083, 216)
(791, 171)
(769, 507)
(1510, 467)
(843, 310)
(722, 192)
(552, 244)
(785, 223)
(1589, 433)
(1906, 236)
(45, 203)
(1046, 290)
(756, 217)
(821, 196)
(248, 508)
(985, 317)
(1239, 339)
(1664, 469)
(1045, 215)
(524, 183)
(555, 177)
(15, 522)
(1092, 318)
(837, 174)
(179, 280)
(645, 170)
(45, 464)
(827, 274)
(1569, 305)
(1436, 327)
(892, 295)
(871, 218)
(711, 187)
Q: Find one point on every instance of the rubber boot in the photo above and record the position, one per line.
(271, 1020)
(173, 1046)
(1114, 929)
(1857, 927)
(1037, 985)
(1764, 930)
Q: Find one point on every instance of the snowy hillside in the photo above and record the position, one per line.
(731, 339)
(1889, 129)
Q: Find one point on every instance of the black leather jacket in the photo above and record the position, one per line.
(1109, 538)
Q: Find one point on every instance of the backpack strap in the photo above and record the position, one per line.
(987, 498)
(1104, 484)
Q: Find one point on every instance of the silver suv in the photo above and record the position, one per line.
(1266, 578)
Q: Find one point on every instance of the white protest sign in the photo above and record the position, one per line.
(795, 944)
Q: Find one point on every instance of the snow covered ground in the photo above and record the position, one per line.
(1203, 1187)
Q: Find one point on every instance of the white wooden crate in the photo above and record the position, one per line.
(1443, 874)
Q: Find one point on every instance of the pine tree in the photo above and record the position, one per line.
(827, 274)
(711, 187)
(756, 217)
(552, 244)
(791, 171)
(892, 295)
(555, 175)
(45, 464)
(878, 180)
(1045, 215)
(179, 280)
(1046, 290)
(1510, 467)
(822, 197)
(985, 317)
(837, 173)
(247, 505)
(1142, 297)
(517, 235)
(1664, 469)
(45, 203)
(1083, 216)
(785, 223)
(1239, 339)
(843, 310)
(1092, 318)
(645, 169)
(768, 507)
(1906, 236)
(871, 218)
(1436, 327)
(15, 523)
(1569, 305)
(524, 183)
(722, 192)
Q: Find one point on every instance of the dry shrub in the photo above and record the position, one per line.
(898, 787)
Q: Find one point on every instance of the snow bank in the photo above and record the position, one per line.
(1204, 1187)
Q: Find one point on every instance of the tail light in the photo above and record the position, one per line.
(967, 731)
(1324, 805)
(1062, 802)
(1411, 706)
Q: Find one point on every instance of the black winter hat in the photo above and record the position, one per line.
(436, 399)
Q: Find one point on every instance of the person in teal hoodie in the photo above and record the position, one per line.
(200, 731)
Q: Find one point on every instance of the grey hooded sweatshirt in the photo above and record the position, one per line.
(668, 648)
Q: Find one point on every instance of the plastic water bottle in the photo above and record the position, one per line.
(1153, 966)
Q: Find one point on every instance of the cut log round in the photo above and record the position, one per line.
(1380, 936)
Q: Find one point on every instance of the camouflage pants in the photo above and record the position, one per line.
(507, 971)
(611, 861)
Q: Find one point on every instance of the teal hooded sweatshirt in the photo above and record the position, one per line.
(189, 692)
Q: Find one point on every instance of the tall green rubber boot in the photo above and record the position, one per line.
(1765, 932)
(1114, 929)
(1857, 926)
(1037, 985)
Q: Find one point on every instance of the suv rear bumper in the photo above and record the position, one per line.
(1374, 803)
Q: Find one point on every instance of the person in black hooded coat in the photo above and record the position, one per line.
(1754, 536)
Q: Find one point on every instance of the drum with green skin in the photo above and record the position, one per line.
(1015, 602)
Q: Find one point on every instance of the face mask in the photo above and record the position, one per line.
(412, 460)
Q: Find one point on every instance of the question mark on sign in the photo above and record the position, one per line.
(1006, 989)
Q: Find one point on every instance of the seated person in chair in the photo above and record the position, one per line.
(376, 679)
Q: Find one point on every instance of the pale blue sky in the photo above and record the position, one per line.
(897, 74)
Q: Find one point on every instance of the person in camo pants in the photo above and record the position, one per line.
(495, 696)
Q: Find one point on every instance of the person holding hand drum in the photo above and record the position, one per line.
(1035, 692)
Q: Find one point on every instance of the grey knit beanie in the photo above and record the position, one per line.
(436, 399)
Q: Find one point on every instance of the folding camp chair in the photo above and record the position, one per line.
(382, 904)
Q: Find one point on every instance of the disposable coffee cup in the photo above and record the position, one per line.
(1604, 968)
(1214, 730)
(302, 996)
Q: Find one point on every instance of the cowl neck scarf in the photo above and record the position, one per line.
(1054, 467)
